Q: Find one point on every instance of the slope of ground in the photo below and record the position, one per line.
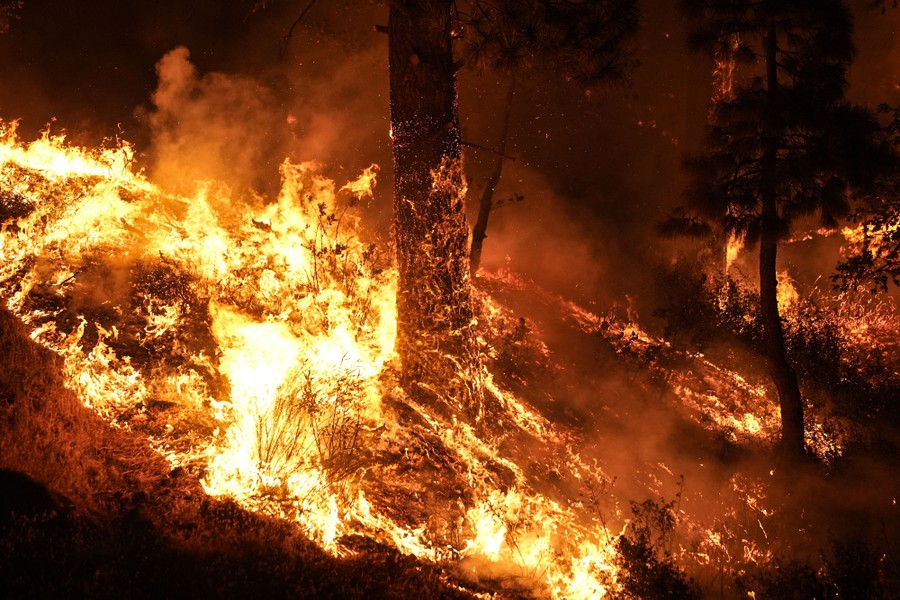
(128, 526)
(208, 378)
(676, 431)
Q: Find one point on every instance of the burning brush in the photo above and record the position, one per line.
(261, 336)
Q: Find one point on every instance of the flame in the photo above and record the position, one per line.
(724, 67)
(267, 327)
(732, 249)
(787, 292)
(868, 238)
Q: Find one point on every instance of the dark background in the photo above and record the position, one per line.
(596, 172)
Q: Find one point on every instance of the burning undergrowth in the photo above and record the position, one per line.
(251, 342)
(244, 347)
(842, 344)
(690, 432)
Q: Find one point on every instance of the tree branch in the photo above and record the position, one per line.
(290, 33)
(491, 150)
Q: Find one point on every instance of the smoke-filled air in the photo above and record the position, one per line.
(449, 299)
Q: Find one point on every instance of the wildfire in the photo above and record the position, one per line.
(262, 332)
(732, 250)
(787, 292)
(867, 237)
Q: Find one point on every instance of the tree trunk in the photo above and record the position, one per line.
(479, 231)
(435, 325)
(780, 370)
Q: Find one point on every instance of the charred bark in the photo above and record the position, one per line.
(479, 230)
(435, 324)
(783, 376)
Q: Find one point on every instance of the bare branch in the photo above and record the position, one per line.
(491, 150)
(287, 37)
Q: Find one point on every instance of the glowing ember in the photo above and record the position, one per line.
(259, 335)
(267, 329)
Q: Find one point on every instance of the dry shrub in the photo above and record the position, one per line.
(315, 421)
(648, 568)
(854, 568)
(843, 345)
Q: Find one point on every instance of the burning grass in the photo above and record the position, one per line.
(701, 427)
(250, 343)
(842, 344)
(184, 360)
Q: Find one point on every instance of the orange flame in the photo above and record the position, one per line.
(276, 337)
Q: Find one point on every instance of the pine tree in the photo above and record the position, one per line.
(429, 40)
(874, 258)
(582, 40)
(588, 43)
(435, 327)
(780, 146)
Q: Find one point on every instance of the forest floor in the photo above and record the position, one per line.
(689, 477)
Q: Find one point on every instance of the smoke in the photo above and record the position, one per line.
(878, 47)
(592, 177)
(326, 101)
(210, 126)
(536, 233)
(237, 129)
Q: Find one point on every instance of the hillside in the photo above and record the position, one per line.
(206, 385)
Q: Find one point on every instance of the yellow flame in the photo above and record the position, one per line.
(295, 363)
(364, 185)
(787, 292)
(732, 249)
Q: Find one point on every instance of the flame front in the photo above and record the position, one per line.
(251, 341)
(263, 333)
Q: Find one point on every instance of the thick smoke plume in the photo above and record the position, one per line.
(210, 126)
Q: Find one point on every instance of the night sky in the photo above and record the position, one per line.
(596, 172)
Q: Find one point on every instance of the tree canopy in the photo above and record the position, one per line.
(823, 143)
(784, 143)
(9, 11)
(586, 42)
(875, 257)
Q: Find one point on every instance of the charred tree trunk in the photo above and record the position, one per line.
(435, 325)
(780, 370)
(479, 231)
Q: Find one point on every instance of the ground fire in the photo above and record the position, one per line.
(219, 379)
(263, 336)
(251, 348)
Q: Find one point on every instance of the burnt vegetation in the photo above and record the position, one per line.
(226, 415)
